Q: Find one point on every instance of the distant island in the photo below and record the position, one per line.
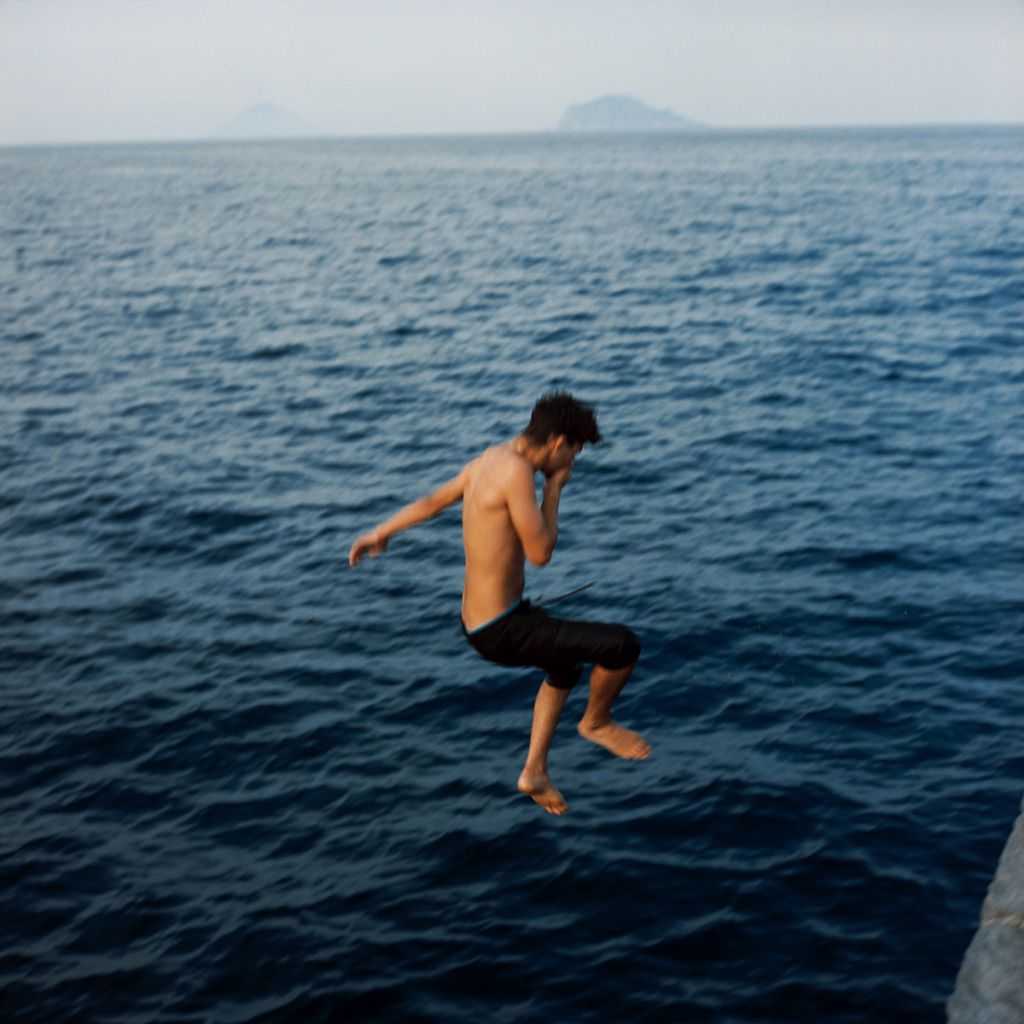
(264, 121)
(622, 114)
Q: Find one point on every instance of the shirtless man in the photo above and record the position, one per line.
(501, 526)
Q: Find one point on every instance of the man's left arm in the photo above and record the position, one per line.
(375, 542)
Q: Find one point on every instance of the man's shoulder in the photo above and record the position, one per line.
(500, 467)
(500, 460)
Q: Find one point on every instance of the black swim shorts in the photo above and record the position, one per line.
(525, 635)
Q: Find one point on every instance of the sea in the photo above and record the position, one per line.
(242, 781)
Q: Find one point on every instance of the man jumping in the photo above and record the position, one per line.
(502, 526)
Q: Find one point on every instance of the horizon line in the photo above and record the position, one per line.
(701, 129)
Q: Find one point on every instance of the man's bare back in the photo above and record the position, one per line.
(502, 528)
(498, 486)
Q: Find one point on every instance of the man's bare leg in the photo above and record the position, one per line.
(534, 779)
(596, 724)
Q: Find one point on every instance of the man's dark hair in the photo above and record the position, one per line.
(558, 412)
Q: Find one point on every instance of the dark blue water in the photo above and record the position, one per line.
(241, 781)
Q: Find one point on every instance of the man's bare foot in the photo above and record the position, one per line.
(621, 742)
(539, 787)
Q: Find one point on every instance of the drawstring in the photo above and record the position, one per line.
(563, 597)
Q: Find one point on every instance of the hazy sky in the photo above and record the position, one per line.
(77, 70)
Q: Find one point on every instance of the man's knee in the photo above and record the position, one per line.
(626, 651)
(632, 645)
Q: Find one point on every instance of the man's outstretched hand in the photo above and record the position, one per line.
(369, 544)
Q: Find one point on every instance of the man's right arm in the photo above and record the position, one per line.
(537, 528)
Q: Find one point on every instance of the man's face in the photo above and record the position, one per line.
(561, 455)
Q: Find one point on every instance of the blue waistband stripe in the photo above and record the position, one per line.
(491, 622)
